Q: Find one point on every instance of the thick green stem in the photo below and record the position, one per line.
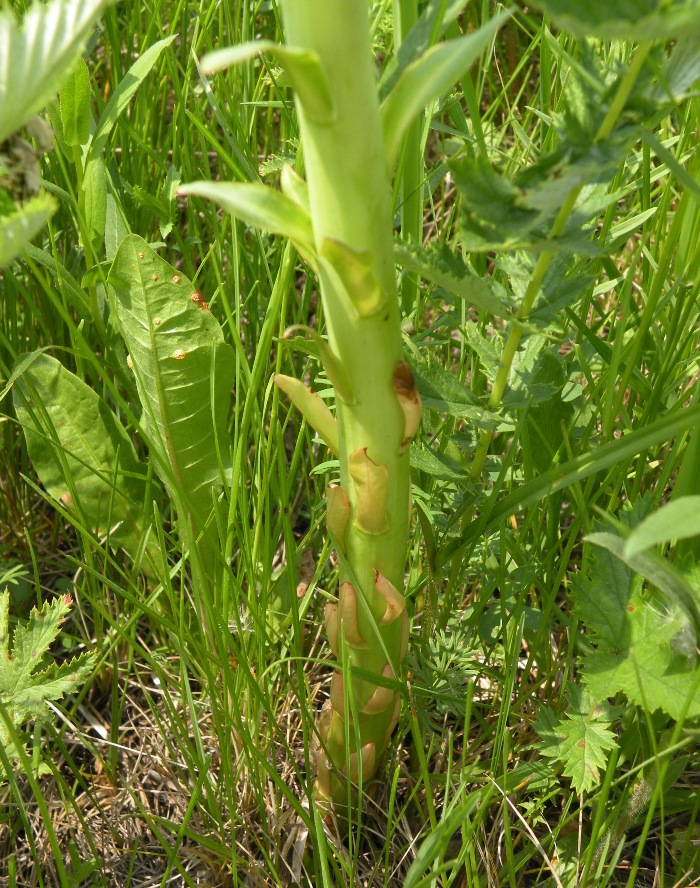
(350, 197)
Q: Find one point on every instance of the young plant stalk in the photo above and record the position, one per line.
(377, 406)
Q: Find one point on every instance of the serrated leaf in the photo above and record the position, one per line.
(580, 741)
(52, 684)
(23, 691)
(676, 520)
(260, 206)
(635, 641)
(78, 447)
(442, 267)
(427, 79)
(625, 19)
(37, 56)
(184, 374)
(303, 67)
(664, 575)
(437, 464)
(19, 228)
(31, 641)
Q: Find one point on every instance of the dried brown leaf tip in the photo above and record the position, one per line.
(409, 399)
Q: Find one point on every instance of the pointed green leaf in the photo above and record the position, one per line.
(95, 189)
(37, 56)
(303, 68)
(17, 229)
(312, 408)
(260, 206)
(184, 374)
(123, 94)
(677, 520)
(79, 449)
(427, 79)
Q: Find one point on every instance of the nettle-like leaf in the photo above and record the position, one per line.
(24, 691)
(580, 740)
(36, 56)
(643, 644)
(625, 19)
(447, 270)
(442, 392)
(517, 214)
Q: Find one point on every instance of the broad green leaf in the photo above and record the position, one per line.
(637, 640)
(303, 68)
(79, 449)
(664, 575)
(17, 229)
(260, 206)
(444, 268)
(625, 19)
(677, 520)
(427, 79)
(75, 106)
(184, 374)
(431, 25)
(37, 56)
(122, 95)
